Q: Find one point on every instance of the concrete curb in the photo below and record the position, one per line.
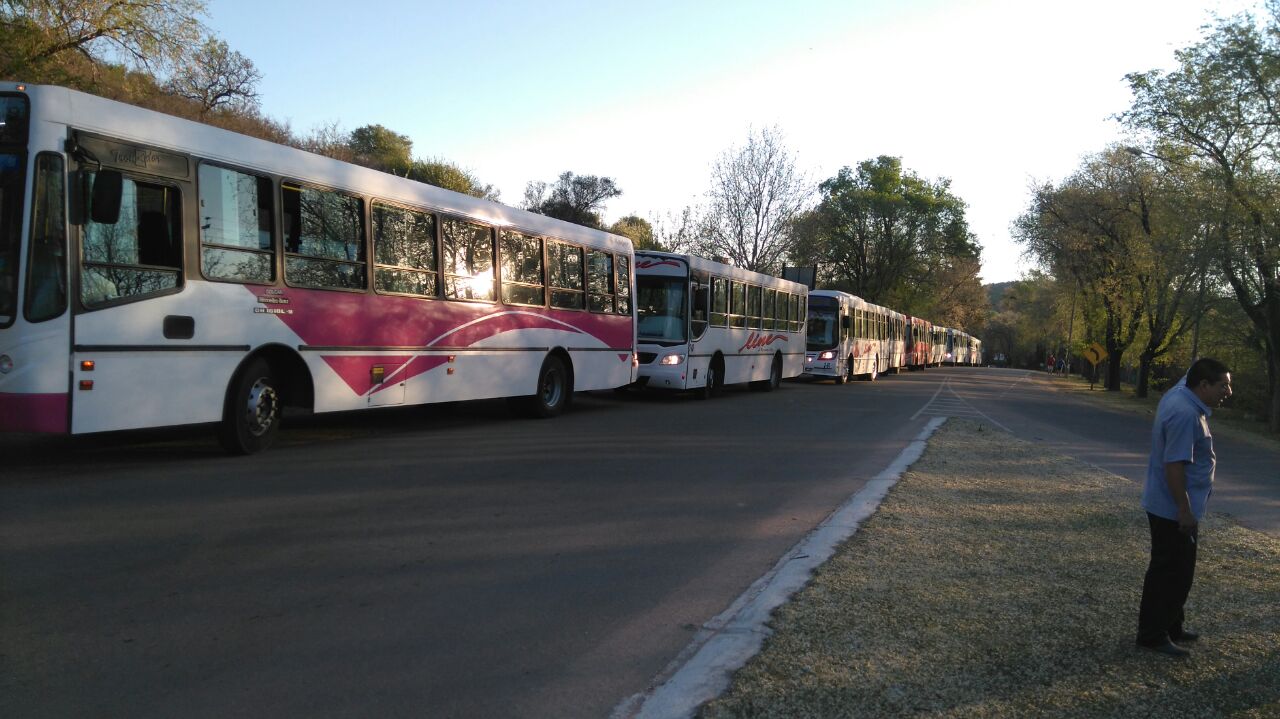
(702, 671)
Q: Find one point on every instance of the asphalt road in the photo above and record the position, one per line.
(441, 561)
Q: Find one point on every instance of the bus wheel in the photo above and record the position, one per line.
(251, 417)
(775, 377)
(554, 388)
(715, 379)
(848, 370)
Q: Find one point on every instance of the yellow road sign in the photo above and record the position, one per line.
(1095, 353)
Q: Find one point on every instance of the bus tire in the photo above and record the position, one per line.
(775, 377)
(848, 370)
(715, 379)
(554, 388)
(251, 414)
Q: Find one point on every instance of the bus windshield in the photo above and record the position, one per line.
(660, 308)
(824, 324)
(11, 189)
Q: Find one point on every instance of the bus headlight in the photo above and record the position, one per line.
(6, 364)
(673, 359)
(828, 355)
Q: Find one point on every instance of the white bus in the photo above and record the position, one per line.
(703, 324)
(156, 271)
(849, 337)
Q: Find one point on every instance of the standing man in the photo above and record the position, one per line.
(1179, 482)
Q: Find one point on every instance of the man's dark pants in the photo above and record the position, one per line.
(1168, 581)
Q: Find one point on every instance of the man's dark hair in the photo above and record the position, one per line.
(1205, 368)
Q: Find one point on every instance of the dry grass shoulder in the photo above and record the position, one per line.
(998, 580)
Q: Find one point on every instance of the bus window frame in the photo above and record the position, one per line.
(79, 187)
(277, 239)
(365, 243)
(372, 249)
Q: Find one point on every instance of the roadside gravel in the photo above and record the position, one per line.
(999, 580)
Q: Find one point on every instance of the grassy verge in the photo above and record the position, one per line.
(998, 580)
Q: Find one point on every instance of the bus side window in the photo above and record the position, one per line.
(468, 260)
(719, 301)
(737, 304)
(624, 284)
(564, 263)
(600, 290)
(521, 260)
(324, 238)
(404, 251)
(237, 241)
(141, 253)
(698, 310)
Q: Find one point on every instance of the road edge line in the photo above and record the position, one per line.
(704, 668)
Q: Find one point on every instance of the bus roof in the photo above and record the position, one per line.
(122, 121)
(725, 270)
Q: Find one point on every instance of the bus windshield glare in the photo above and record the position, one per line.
(824, 324)
(660, 309)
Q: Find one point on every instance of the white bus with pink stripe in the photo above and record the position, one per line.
(158, 272)
(703, 324)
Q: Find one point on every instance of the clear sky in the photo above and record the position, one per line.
(993, 94)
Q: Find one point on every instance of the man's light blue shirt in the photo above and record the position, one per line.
(1180, 434)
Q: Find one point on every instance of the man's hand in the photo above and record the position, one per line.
(1186, 520)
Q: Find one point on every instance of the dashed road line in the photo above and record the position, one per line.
(953, 405)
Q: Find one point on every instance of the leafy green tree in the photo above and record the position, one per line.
(573, 198)
(39, 36)
(1083, 229)
(892, 237)
(638, 230)
(1222, 103)
(448, 175)
(382, 149)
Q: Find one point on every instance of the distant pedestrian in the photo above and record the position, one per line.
(1049, 365)
(1061, 367)
(1179, 482)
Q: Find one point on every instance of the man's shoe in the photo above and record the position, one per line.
(1168, 648)
(1185, 636)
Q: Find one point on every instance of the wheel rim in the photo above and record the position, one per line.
(552, 388)
(262, 408)
(711, 379)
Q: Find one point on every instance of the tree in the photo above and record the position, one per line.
(677, 231)
(442, 173)
(1084, 230)
(573, 198)
(1223, 104)
(638, 230)
(892, 237)
(756, 192)
(218, 77)
(382, 149)
(151, 34)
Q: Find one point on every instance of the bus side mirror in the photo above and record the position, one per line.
(104, 203)
(845, 322)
